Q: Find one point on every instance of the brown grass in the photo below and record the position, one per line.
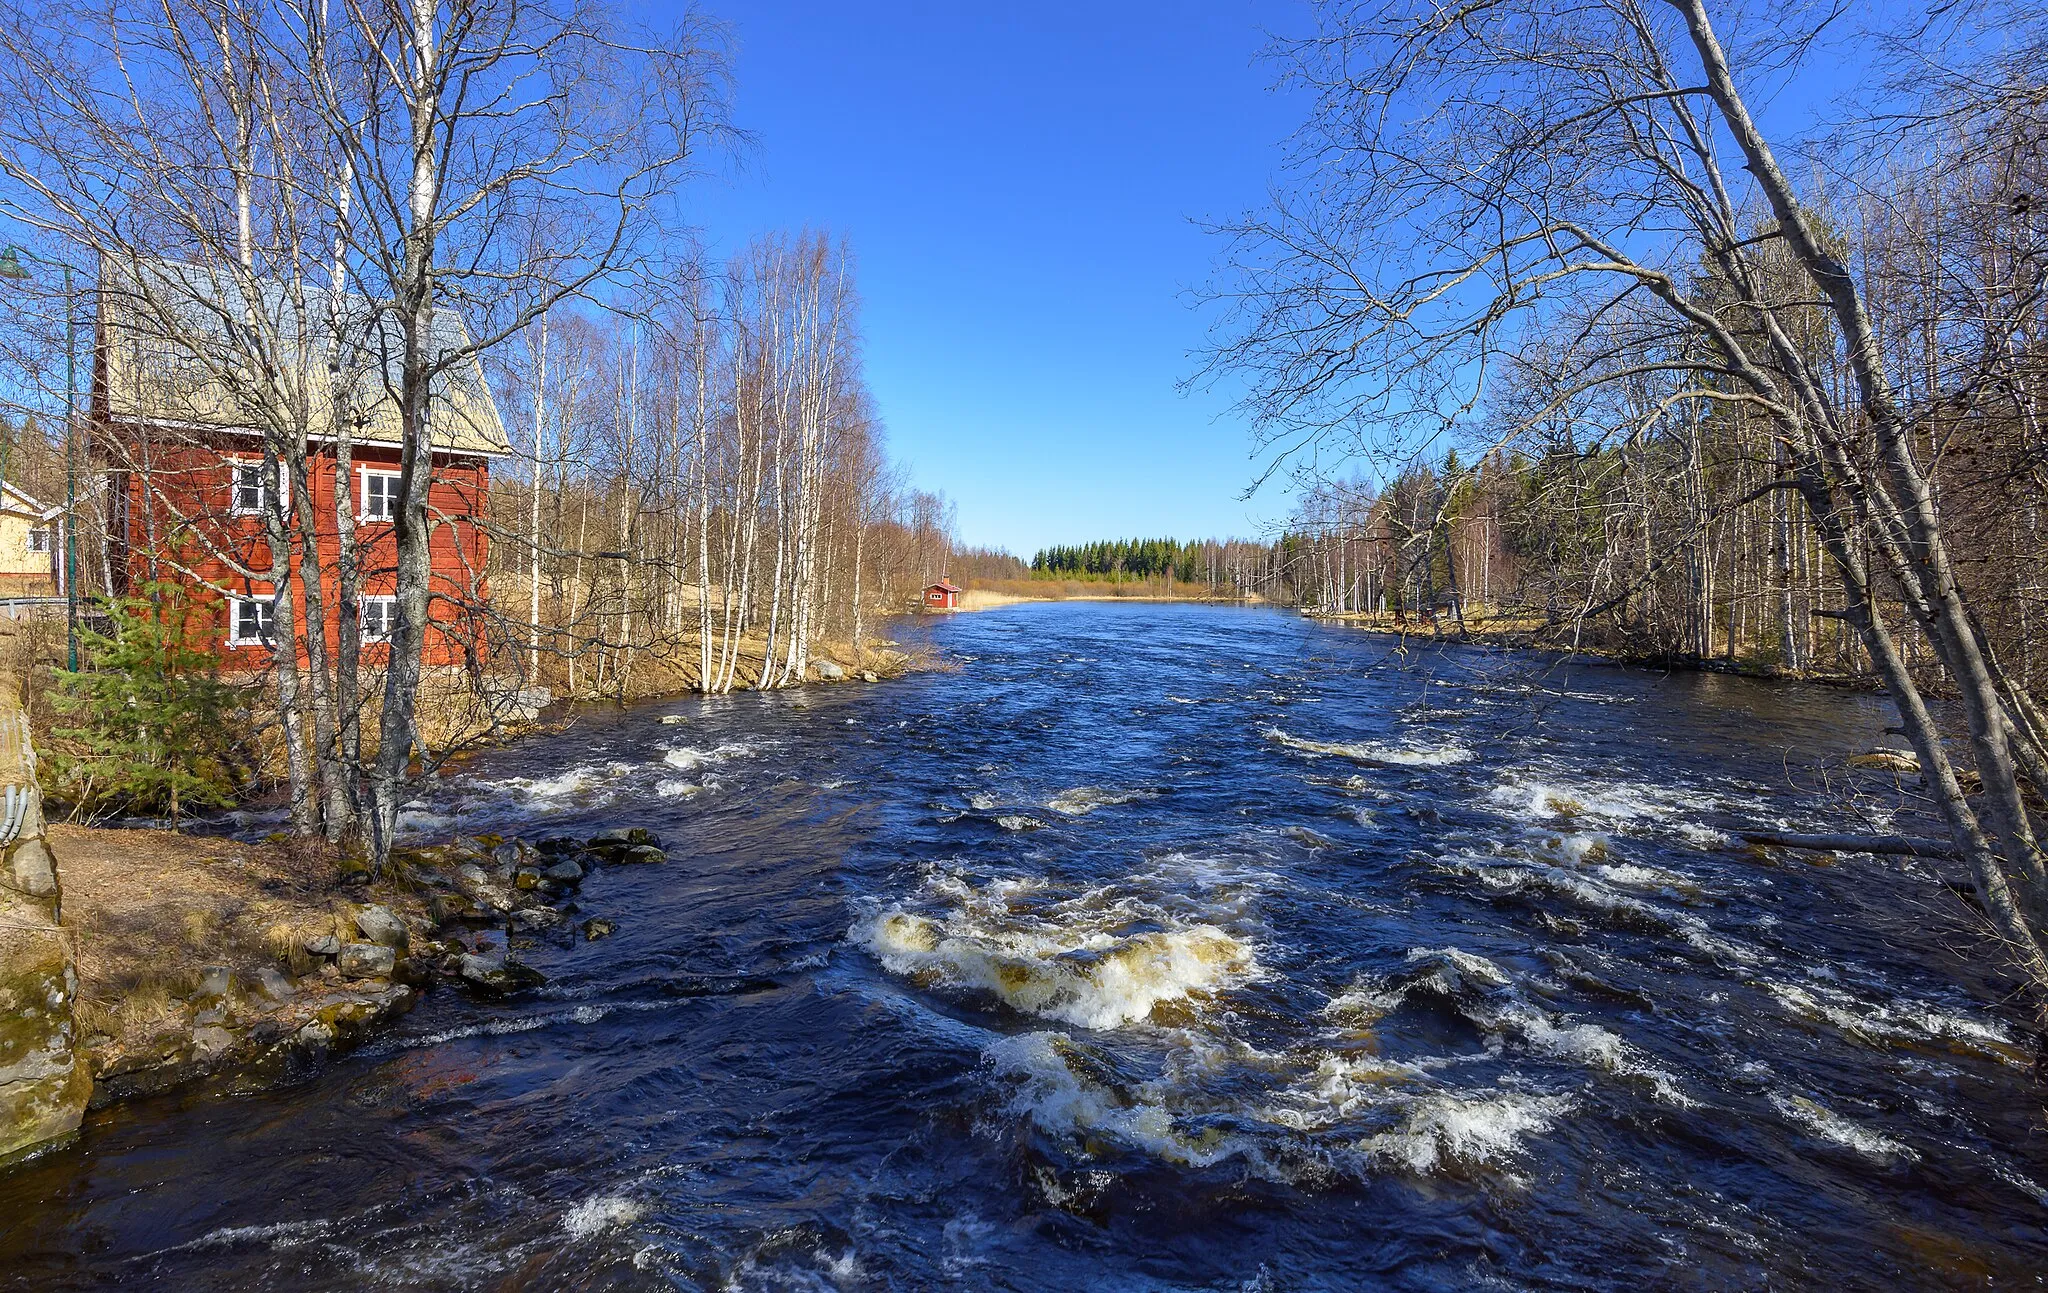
(149, 910)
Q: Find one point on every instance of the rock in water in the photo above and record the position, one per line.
(828, 670)
(497, 973)
(644, 853)
(381, 925)
(673, 720)
(1901, 761)
(367, 961)
(598, 927)
(564, 872)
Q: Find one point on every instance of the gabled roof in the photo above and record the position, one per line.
(178, 350)
(15, 500)
(944, 586)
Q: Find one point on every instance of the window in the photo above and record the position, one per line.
(250, 621)
(246, 486)
(380, 615)
(39, 539)
(380, 495)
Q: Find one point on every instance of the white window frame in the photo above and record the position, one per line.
(235, 466)
(363, 496)
(390, 603)
(264, 603)
(44, 533)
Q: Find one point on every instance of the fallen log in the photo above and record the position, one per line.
(1894, 844)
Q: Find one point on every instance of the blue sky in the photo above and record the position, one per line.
(1020, 186)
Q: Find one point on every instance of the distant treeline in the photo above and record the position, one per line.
(1197, 561)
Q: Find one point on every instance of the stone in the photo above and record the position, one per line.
(526, 878)
(536, 918)
(598, 927)
(498, 974)
(673, 720)
(210, 1042)
(445, 908)
(381, 925)
(512, 855)
(868, 675)
(324, 945)
(564, 872)
(1902, 761)
(274, 985)
(828, 670)
(215, 982)
(366, 961)
(644, 853)
(556, 845)
(612, 838)
(31, 869)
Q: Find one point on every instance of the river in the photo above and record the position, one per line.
(1155, 947)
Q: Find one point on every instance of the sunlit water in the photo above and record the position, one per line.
(1155, 948)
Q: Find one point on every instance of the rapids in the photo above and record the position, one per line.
(1157, 947)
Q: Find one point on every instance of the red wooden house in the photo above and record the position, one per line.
(187, 490)
(942, 596)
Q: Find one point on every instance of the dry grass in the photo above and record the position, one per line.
(149, 910)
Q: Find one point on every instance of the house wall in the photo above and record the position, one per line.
(26, 573)
(175, 520)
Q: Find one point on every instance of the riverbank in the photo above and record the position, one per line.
(242, 964)
(1534, 633)
(986, 599)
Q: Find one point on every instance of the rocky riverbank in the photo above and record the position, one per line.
(242, 965)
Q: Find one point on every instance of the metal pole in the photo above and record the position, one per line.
(70, 475)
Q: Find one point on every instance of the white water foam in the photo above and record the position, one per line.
(1471, 1129)
(690, 758)
(1831, 1126)
(600, 1213)
(1375, 752)
(1082, 800)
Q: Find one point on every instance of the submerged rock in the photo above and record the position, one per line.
(598, 927)
(673, 720)
(644, 853)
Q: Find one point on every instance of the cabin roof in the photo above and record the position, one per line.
(178, 350)
(944, 586)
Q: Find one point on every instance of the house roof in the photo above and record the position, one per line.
(944, 586)
(178, 350)
(15, 500)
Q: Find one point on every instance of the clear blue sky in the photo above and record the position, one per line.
(1020, 184)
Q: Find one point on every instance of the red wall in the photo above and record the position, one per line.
(186, 493)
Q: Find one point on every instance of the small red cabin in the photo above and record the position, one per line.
(942, 596)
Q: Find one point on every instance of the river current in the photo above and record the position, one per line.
(1150, 947)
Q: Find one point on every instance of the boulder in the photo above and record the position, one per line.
(274, 985)
(210, 1042)
(673, 720)
(447, 907)
(498, 974)
(868, 675)
(564, 873)
(598, 927)
(1901, 761)
(366, 961)
(536, 918)
(556, 845)
(828, 670)
(33, 872)
(526, 878)
(324, 945)
(643, 853)
(380, 925)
